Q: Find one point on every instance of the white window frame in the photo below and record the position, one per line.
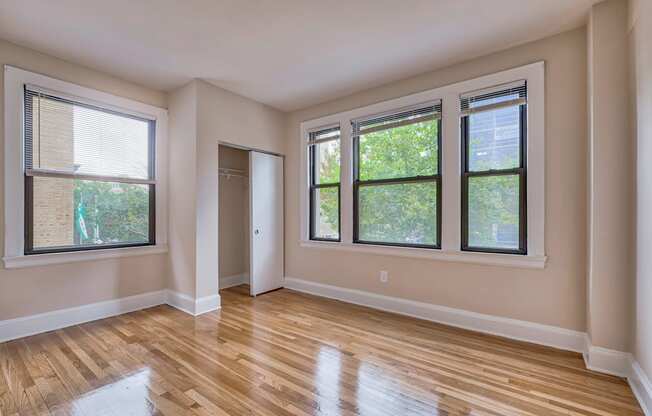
(14, 81)
(534, 75)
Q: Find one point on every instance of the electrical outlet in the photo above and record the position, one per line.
(384, 276)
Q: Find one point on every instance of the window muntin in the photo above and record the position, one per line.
(324, 155)
(397, 180)
(89, 176)
(494, 170)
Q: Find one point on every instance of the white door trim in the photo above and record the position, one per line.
(266, 222)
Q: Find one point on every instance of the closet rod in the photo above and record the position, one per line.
(229, 170)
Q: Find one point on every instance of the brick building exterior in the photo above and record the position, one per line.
(53, 197)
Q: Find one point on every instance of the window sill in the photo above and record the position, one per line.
(35, 260)
(493, 259)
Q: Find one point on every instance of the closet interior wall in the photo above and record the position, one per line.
(233, 216)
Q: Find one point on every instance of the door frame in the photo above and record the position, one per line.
(249, 237)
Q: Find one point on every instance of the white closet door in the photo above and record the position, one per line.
(266, 222)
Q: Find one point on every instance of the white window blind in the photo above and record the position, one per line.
(68, 138)
(500, 96)
(399, 118)
(324, 135)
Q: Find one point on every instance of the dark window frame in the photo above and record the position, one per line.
(357, 184)
(520, 171)
(314, 186)
(28, 208)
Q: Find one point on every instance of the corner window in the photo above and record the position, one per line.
(494, 169)
(397, 180)
(88, 176)
(324, 154)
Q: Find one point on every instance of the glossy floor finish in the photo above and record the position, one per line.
(286, 353)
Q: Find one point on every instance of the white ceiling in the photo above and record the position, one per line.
(286, 53)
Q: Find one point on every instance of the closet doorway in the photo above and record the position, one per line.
(250, 247)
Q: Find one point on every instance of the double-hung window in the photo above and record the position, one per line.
(455, 173)
(397, 181)
(324, 154)
(88, 175)
(494, 169)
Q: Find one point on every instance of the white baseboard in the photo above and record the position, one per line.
(642, 387)
(207, 304)
(561, 338)
(235, 280)
(621, 364)
(597, 359)
(181, 301)
(604, 360)
(193, 306)
(49, 321)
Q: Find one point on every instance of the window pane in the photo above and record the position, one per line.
(404, 213)
(74, 138)
(494, 211)
(401, 152)
(326, 213)
(327, 159)
(494, 139)
(72, 212)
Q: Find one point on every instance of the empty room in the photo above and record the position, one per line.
(298, 207)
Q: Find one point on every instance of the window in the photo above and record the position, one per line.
(455, 173)
(397, 180)
(494, 169)
(324, 150)
(89, 175)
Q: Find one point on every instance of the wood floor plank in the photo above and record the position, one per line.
(287, 353)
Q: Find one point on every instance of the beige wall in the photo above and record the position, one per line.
(230, 118)
(223, 116)
(611, 189)
(555, 295)
(641, 43)
(182, 141)
(201, 116)
(234, 214)
(41, 289)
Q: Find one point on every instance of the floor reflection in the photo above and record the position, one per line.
(379, 389)
(327, 380)
(129, 397)
(285, 354)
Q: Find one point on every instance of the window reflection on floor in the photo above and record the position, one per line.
(327, 380)
(128, 396)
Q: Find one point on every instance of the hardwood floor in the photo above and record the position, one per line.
(286, 353)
